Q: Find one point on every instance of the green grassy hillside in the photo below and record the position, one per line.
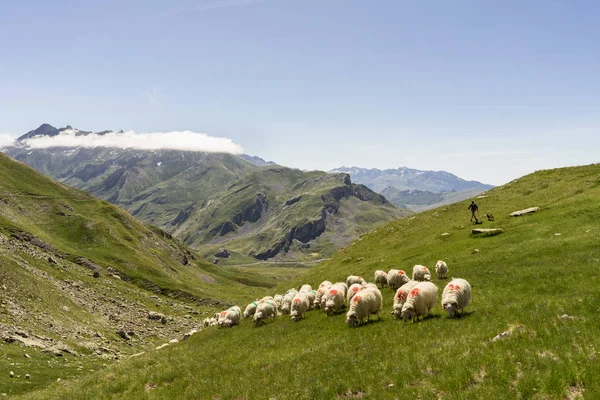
(75, 270)
(212, 199)
(540, 279)
(282, 210)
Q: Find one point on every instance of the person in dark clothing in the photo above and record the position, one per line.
(473, 207)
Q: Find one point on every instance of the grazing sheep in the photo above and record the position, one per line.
(381, 278)
(286, 303)
(210, 321)
(397, 278)
(300, 305)
(325, 284)
(230, 317)
(420, 301)
(250, 309)
(352, 290)
(278, 299)
(334, 299)
(421, 273)
(456, 295)
(266, 298)
(352, 279)
(365, 303)
(306, 288)
(441, 269)
(265, 310)
(321, 294)
(311, 298)
(400, 297)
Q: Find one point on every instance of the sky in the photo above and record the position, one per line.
(486, 90)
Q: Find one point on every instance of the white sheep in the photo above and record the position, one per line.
(287, 301)
(400, 297)
(300, 305)
(250, 309)
(325, 284)
(265, 310)
(311, 298)
(230, 317)
(420, 301)
(441, 269)
(210, 321)
(397, 278)
(352, 279)
(352, 290)
(363, 305)
(335, 298)
(456, 295)
(306, 288)
(421, 273)
(381, 278)
(278, 299)
(320, 294)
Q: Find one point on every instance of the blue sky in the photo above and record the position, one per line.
(486, 90)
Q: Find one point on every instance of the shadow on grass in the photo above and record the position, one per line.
(465, 314)
(369, 322)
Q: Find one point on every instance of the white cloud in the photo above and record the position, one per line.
(177, 140)
(6, 140)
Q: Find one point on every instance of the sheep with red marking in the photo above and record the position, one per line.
(441, 269)
(421, 273)
(352, 290)
(401, 296)
(325, 284)
(352, 279)
(364, 304)
(230, 317)
(250, 309)
(300, 305)
(381, 278)
(420, 301)
(397, 278)
(321, 292)
(335, 298)
(265, 310)
(456, 296)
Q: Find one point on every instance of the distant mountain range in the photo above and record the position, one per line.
(253, 207)
(415, 189)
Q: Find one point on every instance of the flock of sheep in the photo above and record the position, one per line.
(413, 298)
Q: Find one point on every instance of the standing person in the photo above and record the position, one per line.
(473, 207)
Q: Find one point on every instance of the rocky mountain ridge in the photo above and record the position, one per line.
(210, 199)
(415, 189)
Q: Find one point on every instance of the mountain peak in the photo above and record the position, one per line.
(43, 130)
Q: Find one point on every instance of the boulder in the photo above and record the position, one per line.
(155, 315)
(523, 212)
(222, 253)
(53, 351)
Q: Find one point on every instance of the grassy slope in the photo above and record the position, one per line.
(278, 185)
(527, 277)
(97, 230)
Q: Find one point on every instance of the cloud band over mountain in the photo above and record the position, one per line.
(176, 140)
(6, 140)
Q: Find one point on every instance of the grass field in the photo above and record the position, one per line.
(525, 280)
